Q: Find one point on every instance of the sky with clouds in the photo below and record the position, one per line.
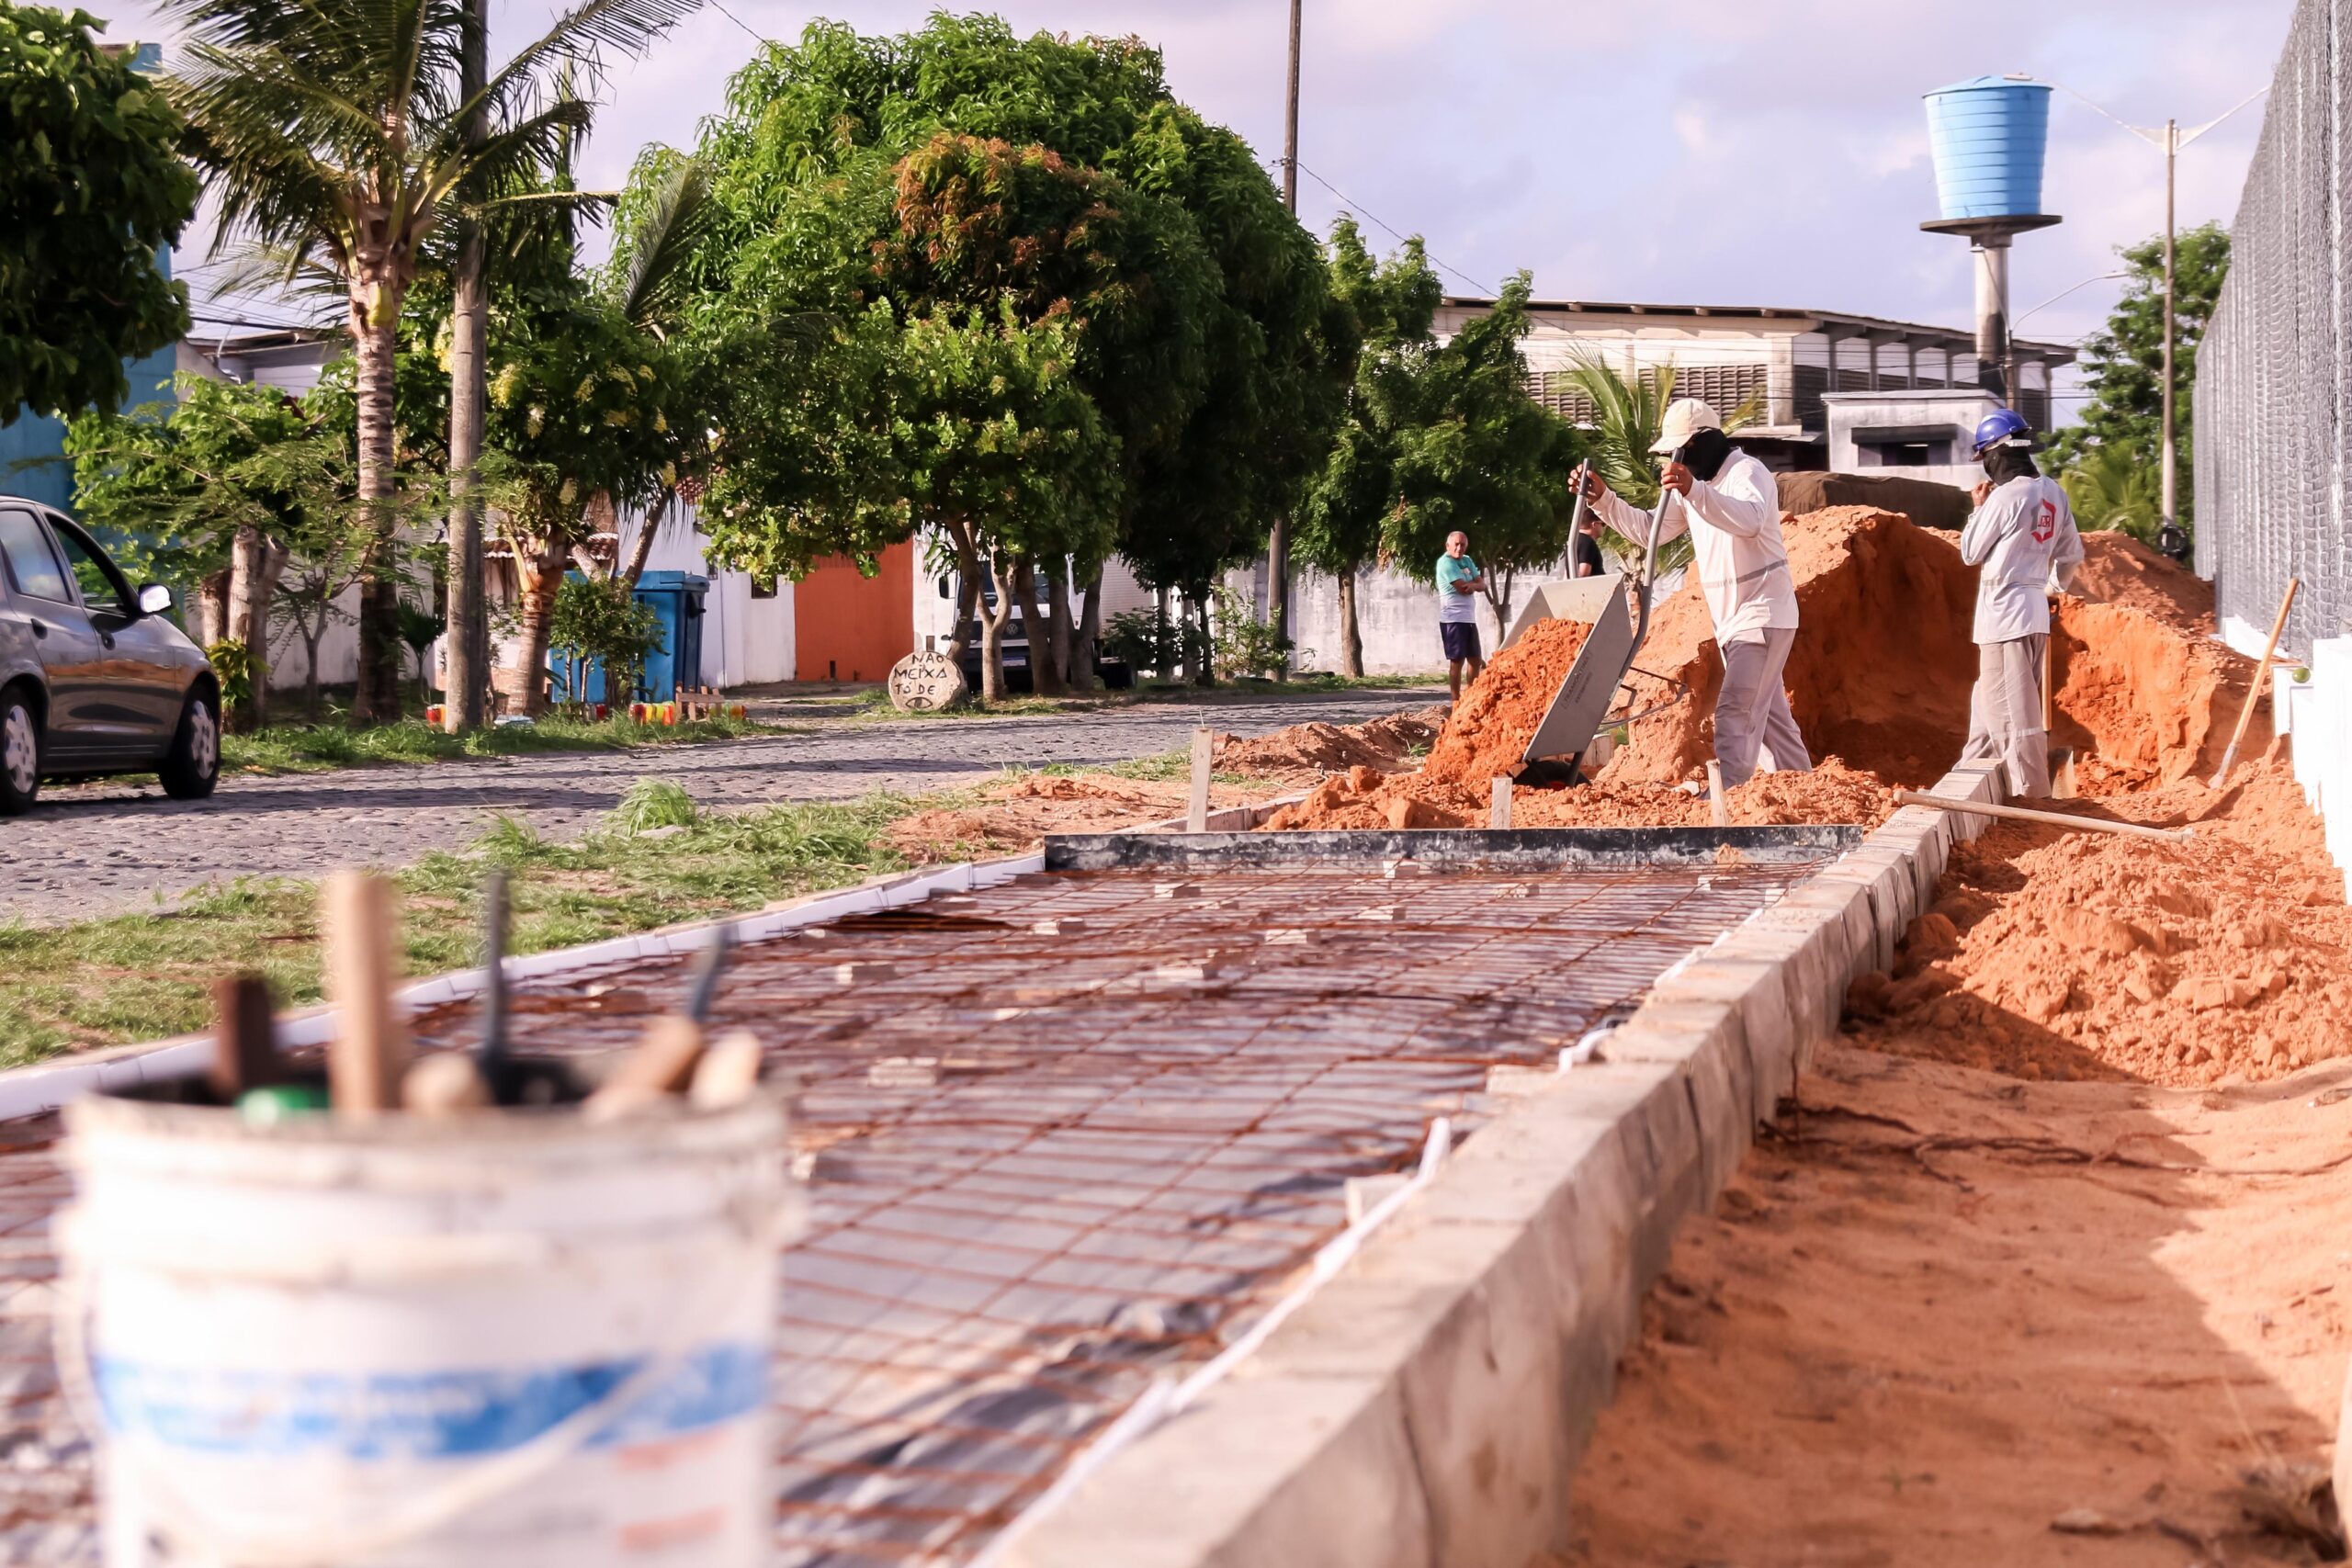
(1708, 152)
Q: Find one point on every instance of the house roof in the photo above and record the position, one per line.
(1782, 318)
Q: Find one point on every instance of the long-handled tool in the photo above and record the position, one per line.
(1581, 704)
(2253, 687)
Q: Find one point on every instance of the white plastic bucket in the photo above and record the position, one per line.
(496, 1341)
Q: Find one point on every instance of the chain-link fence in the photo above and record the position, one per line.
(2273, 403)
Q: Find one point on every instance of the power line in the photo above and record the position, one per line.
(1360, 210)
(740, 22)
(261, 326)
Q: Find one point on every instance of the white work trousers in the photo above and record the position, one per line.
(2005, 714)
(1753, 710)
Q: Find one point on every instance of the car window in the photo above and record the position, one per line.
(101, 589)
(32, 564)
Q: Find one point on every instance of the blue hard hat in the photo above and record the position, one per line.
(1998, 426)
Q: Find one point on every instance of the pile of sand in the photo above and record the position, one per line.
(1013, 816)
(1831, 793)
(1490, 727)
(2119, 569)
(2055, 955)
(1314, 748)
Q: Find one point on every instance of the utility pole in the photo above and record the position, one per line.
(466, 635)
(1278, 540)
(2172, 156)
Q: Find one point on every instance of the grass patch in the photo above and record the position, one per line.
(1169, 767)
(138, 976)
(318, 748)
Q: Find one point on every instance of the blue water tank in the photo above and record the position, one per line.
(1988, 135)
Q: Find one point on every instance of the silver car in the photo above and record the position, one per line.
(93, 678)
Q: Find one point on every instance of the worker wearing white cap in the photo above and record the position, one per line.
(1727, 502)
(2023, 540)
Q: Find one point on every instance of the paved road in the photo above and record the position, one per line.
(101, 848)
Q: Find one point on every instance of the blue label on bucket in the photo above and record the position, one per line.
(421, 1415)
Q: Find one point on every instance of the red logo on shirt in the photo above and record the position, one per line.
(2045, 523)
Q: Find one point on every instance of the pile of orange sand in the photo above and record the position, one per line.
(1490, 727)
(1314, 748)
(2056, 953)
(1016, 815)
(1830, 793)
(2119, 569)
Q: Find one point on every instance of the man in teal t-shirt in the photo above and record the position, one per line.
(1459, 583)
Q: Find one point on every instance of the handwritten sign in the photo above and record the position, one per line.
(926, 682)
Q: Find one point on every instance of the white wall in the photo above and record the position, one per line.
(746, 641)
(1960, 410)
(1397, 615)
(338, 649)
(2317, 715)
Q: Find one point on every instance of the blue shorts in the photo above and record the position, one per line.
(1461, 640)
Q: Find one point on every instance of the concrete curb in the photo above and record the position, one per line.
(1427, 1407)
(28, 1091)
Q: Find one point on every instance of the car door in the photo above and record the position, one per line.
(64, 640)
(144, 683)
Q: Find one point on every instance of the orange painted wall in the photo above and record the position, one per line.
(848, 627)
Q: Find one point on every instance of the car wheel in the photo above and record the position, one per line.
(194, 760)
(19, 753)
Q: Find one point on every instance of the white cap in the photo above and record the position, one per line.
(1685, 417)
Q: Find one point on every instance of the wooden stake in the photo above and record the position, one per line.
(2253, 688)
(1498, 815)
(1718, 807)
(728, 1072)
(370, 1050)
(2052, 818)
(244, 1055)
(661, 1065)
(443, 1084)
(1196, 814)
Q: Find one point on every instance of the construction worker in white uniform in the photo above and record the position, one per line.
(1727, 502)
(2022, 539)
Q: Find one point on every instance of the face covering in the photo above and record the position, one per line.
(1704, 453)
(2003, 464)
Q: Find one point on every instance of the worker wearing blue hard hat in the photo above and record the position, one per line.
(2021, 538)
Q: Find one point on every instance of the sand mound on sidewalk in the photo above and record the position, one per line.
(2119, 569)
(2057, 955)
(1384, 744)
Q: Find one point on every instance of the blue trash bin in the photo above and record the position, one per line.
(676, 598)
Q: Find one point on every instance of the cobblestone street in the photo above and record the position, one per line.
(122, 844)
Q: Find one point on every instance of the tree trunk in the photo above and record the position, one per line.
(538, 569)
(1208, 645)
(1082, 654)
(1351, 631)
(209, 610)
(1049, 666)
(632, 566)
(254, 561)
(311, 676)
(1500, 603)
(993, 624)
(1278, 589)
(1163, 630)
(379, 696)
(967, 589)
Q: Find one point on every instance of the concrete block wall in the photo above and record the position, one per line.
(2317, 715)
(1426, 1408)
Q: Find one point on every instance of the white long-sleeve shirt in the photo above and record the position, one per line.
(1733, 521)
(2024, 538)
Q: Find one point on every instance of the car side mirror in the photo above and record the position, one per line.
(154, 599)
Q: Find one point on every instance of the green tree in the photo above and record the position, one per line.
(599, 621)
(1628, 415)
(2123, 364)
(1484, 457)
(1391, 306)
(218, 490)
(957, 172)
(2110, 488)
(91, 188)
(336, 137)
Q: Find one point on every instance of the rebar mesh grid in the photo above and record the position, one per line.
(1060, 1137)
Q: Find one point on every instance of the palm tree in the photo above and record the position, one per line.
(2110, 488)
(336, 136)
(1627, 416)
